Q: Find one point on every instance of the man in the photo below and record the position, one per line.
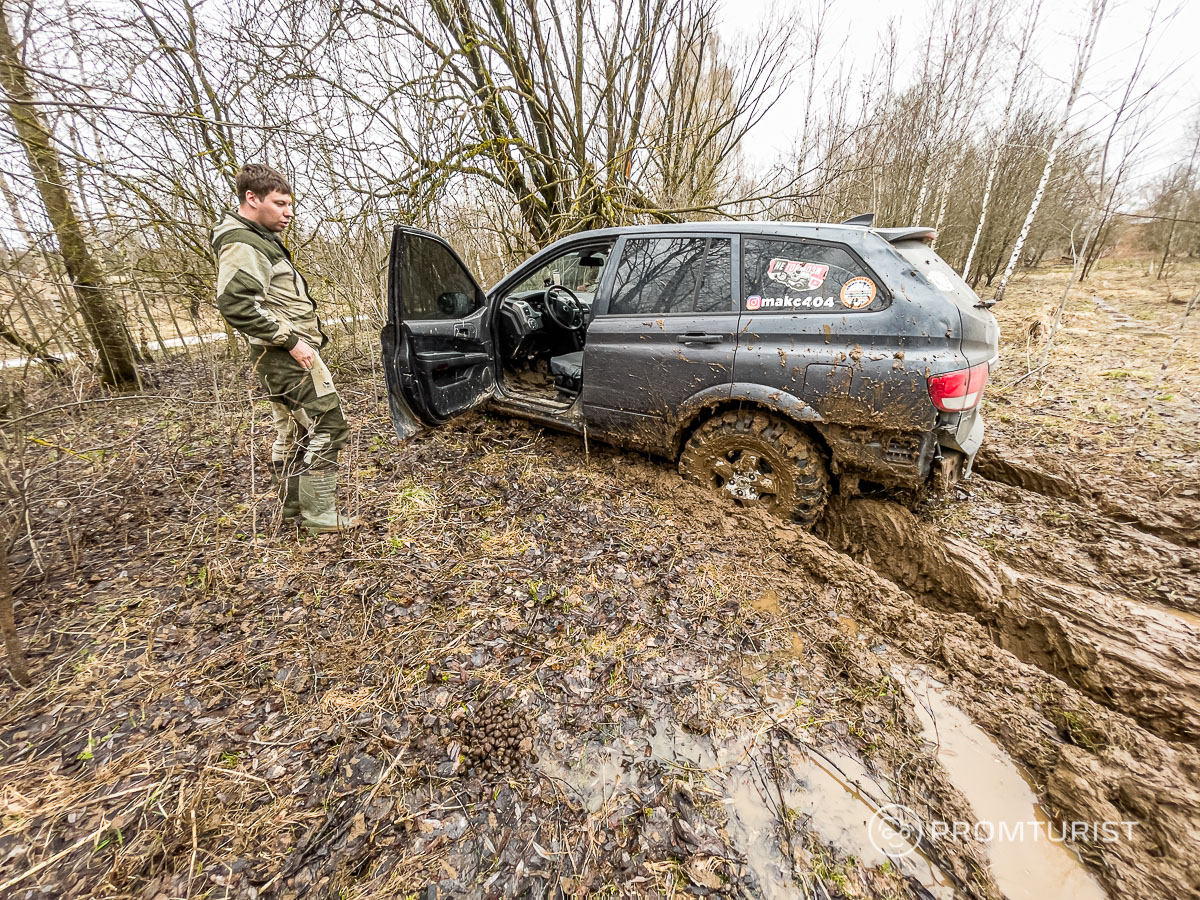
(262, 295)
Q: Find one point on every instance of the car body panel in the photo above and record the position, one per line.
(857, 378)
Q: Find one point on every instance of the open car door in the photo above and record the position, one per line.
(439, 358)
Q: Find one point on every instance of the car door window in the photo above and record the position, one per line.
(579, 270)
(663, 276)
(802, 276)
(433, 284)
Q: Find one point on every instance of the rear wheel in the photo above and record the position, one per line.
(759, 460)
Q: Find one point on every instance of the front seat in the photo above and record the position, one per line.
(568, 373)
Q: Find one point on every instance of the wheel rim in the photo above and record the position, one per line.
(746, 475)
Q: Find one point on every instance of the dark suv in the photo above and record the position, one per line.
(767, 357)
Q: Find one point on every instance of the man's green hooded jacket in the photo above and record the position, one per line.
(259, 290)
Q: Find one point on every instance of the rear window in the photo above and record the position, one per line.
(780, 275)
(936, 271)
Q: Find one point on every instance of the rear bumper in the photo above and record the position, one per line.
(962, 432)
(892, 458)
(938, 458)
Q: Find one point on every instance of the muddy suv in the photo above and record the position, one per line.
(768, 358)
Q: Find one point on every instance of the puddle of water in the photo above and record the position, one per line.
(1026, 862)
(831, 793)
(821, 792)
(768, 602)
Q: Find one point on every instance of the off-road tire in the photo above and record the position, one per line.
(794, 465)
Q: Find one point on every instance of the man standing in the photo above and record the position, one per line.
(263, 296)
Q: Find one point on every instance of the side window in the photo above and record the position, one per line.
(713, 293)
(795, 276)
(672, 275)
(579, 270)
(433, 284)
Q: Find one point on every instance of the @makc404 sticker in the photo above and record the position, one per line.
(858, 292)
(803, 276)
(754, 301)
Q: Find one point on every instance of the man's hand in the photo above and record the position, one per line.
(304, 354)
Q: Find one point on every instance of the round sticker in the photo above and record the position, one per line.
(753, 302)
(858, 293)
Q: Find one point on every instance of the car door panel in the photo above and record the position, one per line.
(640, 367)
(439, 353)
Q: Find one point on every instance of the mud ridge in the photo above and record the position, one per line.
(1135, 664)
(1064, 485)
(1086, 762)
(1180, 526)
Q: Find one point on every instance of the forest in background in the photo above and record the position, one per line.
(504, 127)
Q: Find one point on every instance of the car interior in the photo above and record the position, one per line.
(543, 325)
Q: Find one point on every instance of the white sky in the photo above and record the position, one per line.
(1175, 60)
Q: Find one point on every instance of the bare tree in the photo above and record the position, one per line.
(1108, 183)
(1082, 61)
(105, 324)
(1023, 49)
(1177, 193)
(589, 114)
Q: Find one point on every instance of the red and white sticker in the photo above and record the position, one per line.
(795, 273)
(753, 302)
(858, 292)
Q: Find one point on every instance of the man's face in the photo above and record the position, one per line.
(273, 212)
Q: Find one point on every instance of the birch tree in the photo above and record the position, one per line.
(1082, 62)
(1023, 48)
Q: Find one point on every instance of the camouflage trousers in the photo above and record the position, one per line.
(309, 426)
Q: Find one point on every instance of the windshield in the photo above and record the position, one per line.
(578, 270)
(937, 271)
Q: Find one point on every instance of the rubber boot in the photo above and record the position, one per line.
(287, 484)
(318, 504)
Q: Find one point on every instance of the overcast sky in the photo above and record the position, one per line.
(1175, 60)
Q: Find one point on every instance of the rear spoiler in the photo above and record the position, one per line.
(895, 235)
(892, 235)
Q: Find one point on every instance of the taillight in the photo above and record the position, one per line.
(956, 391)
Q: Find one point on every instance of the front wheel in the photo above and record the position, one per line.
(759, 459)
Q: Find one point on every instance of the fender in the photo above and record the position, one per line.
(775, 399)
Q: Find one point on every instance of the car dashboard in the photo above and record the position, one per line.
(528, 331)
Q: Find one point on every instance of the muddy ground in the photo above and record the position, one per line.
(718, 703)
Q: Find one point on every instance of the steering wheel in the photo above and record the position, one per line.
(569, 313)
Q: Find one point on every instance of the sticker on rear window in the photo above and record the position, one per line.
(795, 273)
(857, 293)
(755, 301)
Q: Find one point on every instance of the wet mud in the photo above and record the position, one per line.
(1143, 665)
(720, 703)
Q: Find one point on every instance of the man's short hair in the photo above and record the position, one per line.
(260, 180)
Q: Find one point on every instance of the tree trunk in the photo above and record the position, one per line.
(994, 162)
(1081, 66)
(1184, 187)
(8, 625)
(103, 319)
